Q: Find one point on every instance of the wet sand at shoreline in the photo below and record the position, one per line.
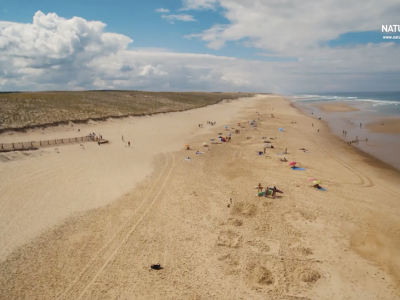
(305, 244)
(385, 125)
(383, 144)
(335, 107)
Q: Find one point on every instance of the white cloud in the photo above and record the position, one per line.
(292, 26)
(54, 53)
(182, 17)
(162, 10)
(150, 70)
(198, 4)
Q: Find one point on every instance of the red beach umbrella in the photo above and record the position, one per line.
(292, 163)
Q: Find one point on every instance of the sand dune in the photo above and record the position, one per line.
(112, 211)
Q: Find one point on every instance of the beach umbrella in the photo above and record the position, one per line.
(317, 181)
(186, 145)
(205, 144)
(293, 163)
(312, 179)
(226, 126)
(280, 129)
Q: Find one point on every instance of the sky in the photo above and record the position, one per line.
(278, 46)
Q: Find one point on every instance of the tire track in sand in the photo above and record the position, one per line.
(365, 181)
(127, 236)
(120, 230)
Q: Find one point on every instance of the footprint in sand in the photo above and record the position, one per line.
(259, 246)
(228, 238)
(234, 222)
(244, 209)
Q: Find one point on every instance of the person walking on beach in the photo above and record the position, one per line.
(129, 144)
(318, 130)
(312, 124)
(366, 140)
(360, 125)
(123, 138)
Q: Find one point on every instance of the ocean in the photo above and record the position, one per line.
(385, 103)
(373, 107)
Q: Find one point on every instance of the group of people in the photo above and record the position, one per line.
(266, 191)
(94, 137)
(212, 123)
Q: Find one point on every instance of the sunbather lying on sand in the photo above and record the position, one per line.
(249, 137)
(284, 159)
(304, 149)
(199, 152)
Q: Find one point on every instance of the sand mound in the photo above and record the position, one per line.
(262, 276)
(309, 276)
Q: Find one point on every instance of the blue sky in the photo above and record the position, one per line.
(140, 21)
(286, 40)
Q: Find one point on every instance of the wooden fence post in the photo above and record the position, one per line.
(55, 141)
(2, 146)
(48, 142)
(13, 145)
(40, 143)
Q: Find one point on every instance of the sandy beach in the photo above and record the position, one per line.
(335, 107)
(87, 222)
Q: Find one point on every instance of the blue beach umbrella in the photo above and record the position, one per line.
(280, 129)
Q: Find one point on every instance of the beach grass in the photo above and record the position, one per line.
(31, 109)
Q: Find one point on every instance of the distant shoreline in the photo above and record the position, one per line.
(376, 151)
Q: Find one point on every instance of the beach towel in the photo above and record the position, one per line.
(263, 193)
(199, 152)
(322, 189)
(298, 169)
(188, 159)
(279, 154)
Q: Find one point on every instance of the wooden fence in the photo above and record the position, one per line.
(37, 144)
